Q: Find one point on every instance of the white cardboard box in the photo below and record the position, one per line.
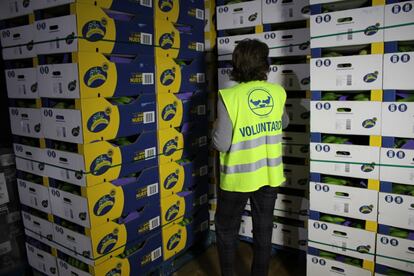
(19, 42)
(290, 236)
(317, 266)
(40, 226)
(397, 165)
(14, 8)
(41, 260)
(346, 117)
(240, 15)
(399, 14)
(53, 28)
(293, 42)
(290, 76)
(347, 73)
(399, 252)
(22, 83)
(345, 160)
(397, 70)
(396, 210)
(63, 125)
(246, 227)
(284, 11)
(344, 28)
(34, 195)
(342, 240)
(297, 176)
(26, 121)
(298, 111)
(65, 269)
(44, 4)
(344, 201)
(65, 166)
(393, 112)
(29, 159)
(224, 78)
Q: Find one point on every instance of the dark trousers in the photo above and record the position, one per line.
(230, 206)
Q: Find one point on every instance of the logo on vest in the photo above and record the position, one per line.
(260, 102)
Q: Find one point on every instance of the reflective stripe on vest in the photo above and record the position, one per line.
(251, 167)
(270, 140)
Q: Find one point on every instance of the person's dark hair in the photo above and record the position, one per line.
(250, 61)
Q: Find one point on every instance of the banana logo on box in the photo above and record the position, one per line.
(94, 30)
(168, 76)
(104, 204)
(174, 240)
(101, 164)
(172, 212)
(165, 5)
(371, 77)
(96, 76)
(99, 121)
(108, 242)
(166, 41)
(171, 180)
(371, 30)
(367, 168)
(366, 209)
(170, 147)
(169, 111)
(117, 271)
(369, 123)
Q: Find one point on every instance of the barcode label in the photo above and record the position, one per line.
(346, 207)
(149, 117)
(203, 170)
(350, 34)
(154, 223)
(156, 254)
(147, 78)
(290, 12)
(201, 78)
(146, 3)
(241, 20)
(347, 168)
(348, 80)
(202, 141)
(146, 38)
(199, 47)
(4, 195)
(152, 189)
(199, 14)
(348, 124)
(150, 153)
(201, 110)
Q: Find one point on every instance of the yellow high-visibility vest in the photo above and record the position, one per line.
(255, 156)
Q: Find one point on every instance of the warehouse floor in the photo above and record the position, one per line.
(282, 264)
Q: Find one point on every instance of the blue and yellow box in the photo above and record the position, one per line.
(183, 204)
(137, 259)
(100, 243)
(93, 75)
(181, 234)
(94, 206)
(177, 11)
(87, 120)
(96, 163)
(175, 76)
(88, 28)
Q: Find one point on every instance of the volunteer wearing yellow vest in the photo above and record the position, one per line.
(248, 134)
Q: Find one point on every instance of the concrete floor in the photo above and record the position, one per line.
(284, 263)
